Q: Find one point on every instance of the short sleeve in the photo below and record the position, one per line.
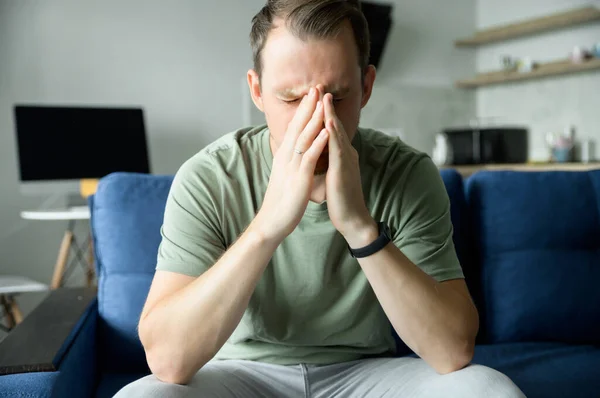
(425, 231)
(191, 234)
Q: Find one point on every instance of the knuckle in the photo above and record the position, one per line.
(308, 156)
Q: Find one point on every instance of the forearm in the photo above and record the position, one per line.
(435, 321)
(185, 330)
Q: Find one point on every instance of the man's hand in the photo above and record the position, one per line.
(345, 201)
(292, 176)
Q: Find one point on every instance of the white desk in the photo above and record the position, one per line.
(66, 214)
(69, 241)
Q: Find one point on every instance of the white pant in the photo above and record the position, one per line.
(371, 378)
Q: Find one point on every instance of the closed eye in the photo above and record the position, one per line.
(294, 101)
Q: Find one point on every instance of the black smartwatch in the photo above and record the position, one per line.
(382, 240)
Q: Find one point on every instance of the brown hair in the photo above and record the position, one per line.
(311, 18)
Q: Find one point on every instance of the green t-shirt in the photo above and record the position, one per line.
(313, 303)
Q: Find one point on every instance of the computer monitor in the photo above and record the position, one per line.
(60, 145)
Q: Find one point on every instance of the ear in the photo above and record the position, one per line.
(254, 86)
(369, 80)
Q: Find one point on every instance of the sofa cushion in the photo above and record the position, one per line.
(546, 370)
(37, 384)
(127, 213)
(538, 237)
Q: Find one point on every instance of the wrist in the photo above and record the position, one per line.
(262, 235)
(362, 234)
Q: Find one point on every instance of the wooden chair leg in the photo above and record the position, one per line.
(10, 320)
(16, 311)
(90, 265)
(61, 261)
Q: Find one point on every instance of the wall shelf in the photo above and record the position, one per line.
(532, 26)
(555, 68)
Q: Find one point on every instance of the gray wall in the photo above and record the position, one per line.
(547, 105)
(414, 92)
(185, 62)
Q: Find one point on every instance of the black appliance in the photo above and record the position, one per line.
(488, 145)
(75, 142)
(379, 18)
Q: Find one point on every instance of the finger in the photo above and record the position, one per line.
(312, 129)
(321, 90)
(302, 117)
(335, 146)
(330, 126)
(329, 108)
(310, 158)
(333, 121)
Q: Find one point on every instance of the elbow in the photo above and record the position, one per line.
(168, 369)
(171, 376)
(462, 352)
(168, 365)
(457, 363)
(458, 359)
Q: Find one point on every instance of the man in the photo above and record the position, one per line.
(288, 249)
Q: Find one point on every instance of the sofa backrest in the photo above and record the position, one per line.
(127, 213)
(537, 236)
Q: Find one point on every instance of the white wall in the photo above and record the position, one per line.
(183, 61)
(415, 89)
(546, 105)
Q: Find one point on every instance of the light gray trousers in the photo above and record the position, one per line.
(367, 378)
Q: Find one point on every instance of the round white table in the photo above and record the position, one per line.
(68, 214)
(69, 241)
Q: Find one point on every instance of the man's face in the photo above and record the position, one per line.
(292, 66)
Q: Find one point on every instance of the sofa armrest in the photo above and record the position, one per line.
(70, 368)
(40, 342)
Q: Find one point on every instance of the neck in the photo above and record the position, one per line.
(318, 193)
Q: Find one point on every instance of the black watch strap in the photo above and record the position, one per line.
(382, 240)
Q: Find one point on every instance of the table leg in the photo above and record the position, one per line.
(10, 320)
(61, 261)
(90, 264)
(16, 311)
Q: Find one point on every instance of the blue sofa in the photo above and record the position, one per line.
(529, 243)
